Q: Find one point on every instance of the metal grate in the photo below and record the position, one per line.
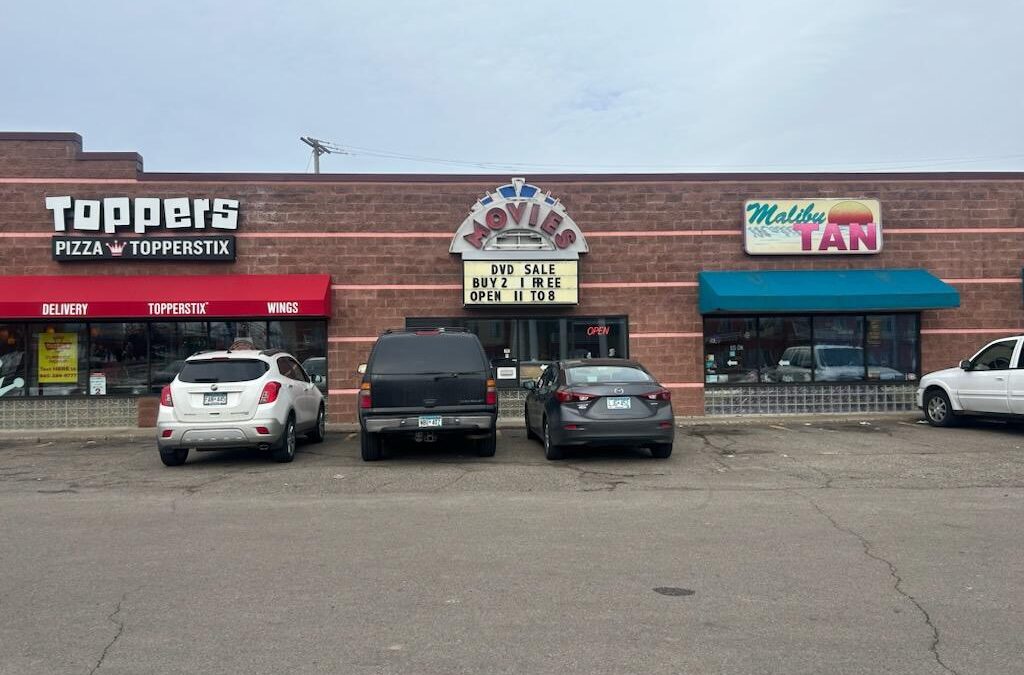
(837, 398)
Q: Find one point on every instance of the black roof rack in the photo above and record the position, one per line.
(271, 352)
(420, 329)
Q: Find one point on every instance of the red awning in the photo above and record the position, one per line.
(148, 297)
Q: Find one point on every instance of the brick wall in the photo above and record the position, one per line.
(984, 262)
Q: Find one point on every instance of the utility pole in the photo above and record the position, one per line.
(318, 149)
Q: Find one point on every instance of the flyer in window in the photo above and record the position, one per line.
(58, 358)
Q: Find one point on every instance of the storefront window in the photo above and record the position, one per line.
(730, 350)
(891, 342)
(170, 344)
(597, 338)
(58, 359)
(12, 360)
(118, 361)
(822, 348)
(537, 342)
(224, 333)
(307, 342)
(838, 348)
(785, 347)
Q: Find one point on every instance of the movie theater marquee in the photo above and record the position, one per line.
(519, 247)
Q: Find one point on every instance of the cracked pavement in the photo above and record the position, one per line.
(791, 546)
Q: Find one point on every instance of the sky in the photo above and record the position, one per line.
(525, 87)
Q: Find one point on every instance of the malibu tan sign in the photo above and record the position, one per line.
(812, 226)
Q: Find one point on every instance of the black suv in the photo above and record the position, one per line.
(427, 384)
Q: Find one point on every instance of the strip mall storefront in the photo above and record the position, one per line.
(742, 293)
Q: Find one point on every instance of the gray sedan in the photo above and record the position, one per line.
(599, 402)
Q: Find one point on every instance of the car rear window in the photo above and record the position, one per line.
(424, 354)
(222, 370)
(600, 374)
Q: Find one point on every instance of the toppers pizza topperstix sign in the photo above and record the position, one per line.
(199, 225)
(519, 246)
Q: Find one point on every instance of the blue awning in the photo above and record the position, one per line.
(823, 291)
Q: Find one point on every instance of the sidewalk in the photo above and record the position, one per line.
(132, 434)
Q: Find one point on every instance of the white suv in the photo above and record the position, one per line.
(238, 398)
(990, 383)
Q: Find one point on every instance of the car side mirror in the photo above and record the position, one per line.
(361, 369)
(529, 385)
(966, 365)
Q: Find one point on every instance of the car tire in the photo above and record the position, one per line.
(551, 451)
(284, 450)
(661, 450)
(370, 446)
(174, 457)
(530, 434)
(486, 447)
(937, 409)
(320, 428)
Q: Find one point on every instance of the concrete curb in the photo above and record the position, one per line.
(132, 434)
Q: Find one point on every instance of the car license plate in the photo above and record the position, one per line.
(215, 399)
(430, 420)
(620, 403)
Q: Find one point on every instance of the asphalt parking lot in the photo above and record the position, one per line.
(774, 546)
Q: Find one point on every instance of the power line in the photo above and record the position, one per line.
(876, 165)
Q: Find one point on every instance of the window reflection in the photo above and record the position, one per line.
(12, 360)
(838, 348)
(730, 350)
(118, 361)
(785, 347)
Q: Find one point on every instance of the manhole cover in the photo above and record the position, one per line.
(673, 591)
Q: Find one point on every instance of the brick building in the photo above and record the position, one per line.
(825, 311)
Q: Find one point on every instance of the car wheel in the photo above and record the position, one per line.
(486, 447)
(285, 450)
(320, 430)
(937, 409)
(661, 450)
(530, 435)
(174, 457)
(369, 445)
(551, 451)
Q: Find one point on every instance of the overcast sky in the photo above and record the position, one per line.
(529, 86)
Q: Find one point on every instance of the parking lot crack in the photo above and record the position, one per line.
(120, 631)
(897, 581)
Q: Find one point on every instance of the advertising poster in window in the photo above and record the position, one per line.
(58, 358)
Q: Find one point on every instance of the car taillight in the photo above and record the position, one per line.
(364, 396)
(662, 394)
(569, 396)
(492, 392)
(165, 396)
(269, 394)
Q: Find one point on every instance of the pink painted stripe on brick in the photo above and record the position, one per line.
(647, 336)
(683, 385)
(26, 235)
(984, 280)
(342, 392)
(953, 230)
(971, 331)
(344, 235)
(353, 338)
(83, 181)
(667, 233)
(396, 287)
(639, 284)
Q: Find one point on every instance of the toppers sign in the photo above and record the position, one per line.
(142, 216)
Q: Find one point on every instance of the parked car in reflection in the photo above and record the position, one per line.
(990, 383)
(599, 401)
(828, 363)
